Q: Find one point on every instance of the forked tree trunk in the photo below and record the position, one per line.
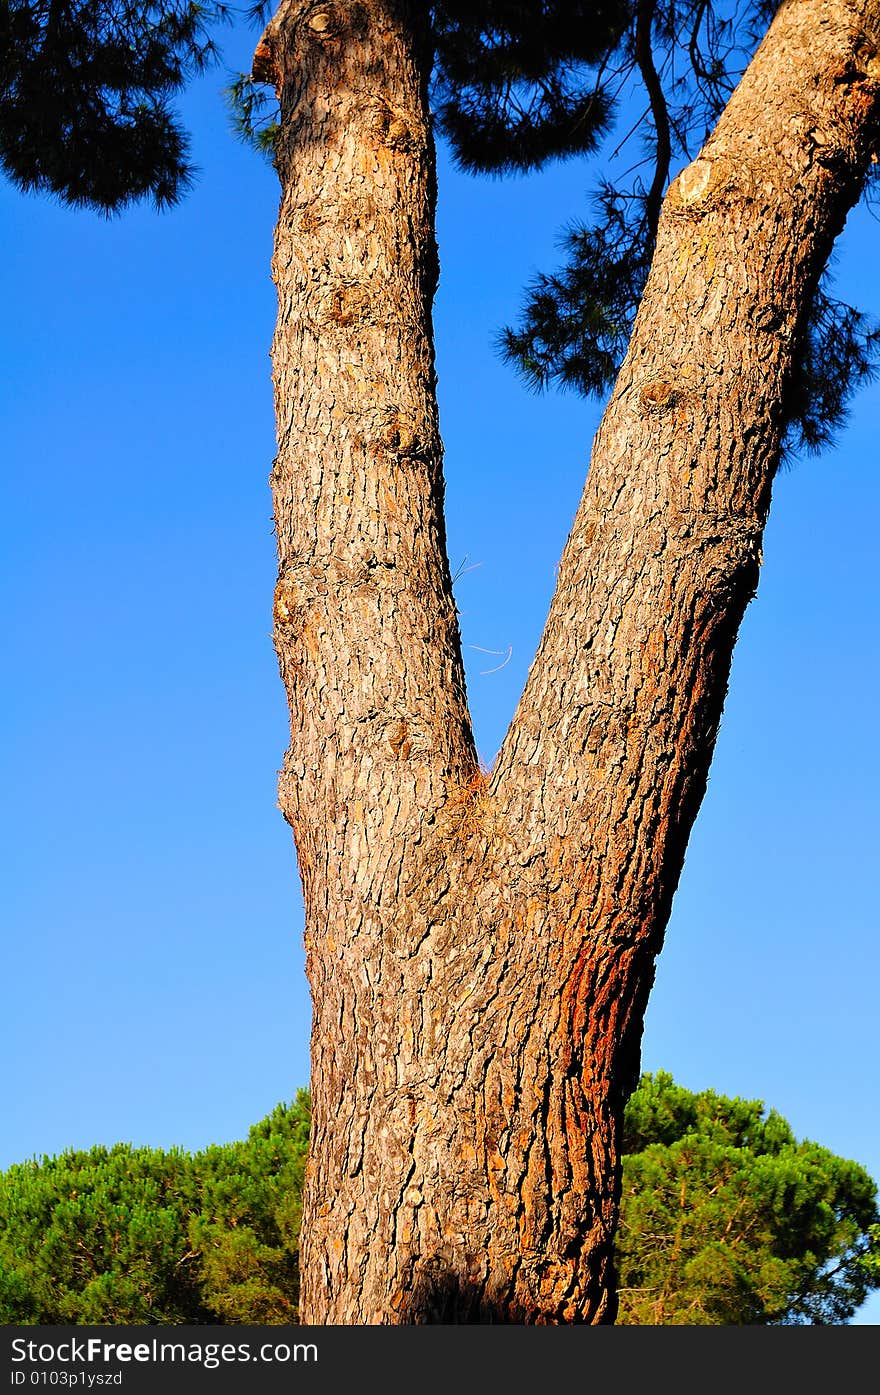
(480, 949)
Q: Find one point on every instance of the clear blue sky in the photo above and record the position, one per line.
(153, 986)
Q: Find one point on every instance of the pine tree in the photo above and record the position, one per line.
(727, 1219)
(480, 945)
(518, 92)
(141, 1235)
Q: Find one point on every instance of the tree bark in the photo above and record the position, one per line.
(480, 947)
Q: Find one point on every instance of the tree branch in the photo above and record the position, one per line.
(659, 113)
(610, 746)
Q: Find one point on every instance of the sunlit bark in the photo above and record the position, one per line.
(481, 948)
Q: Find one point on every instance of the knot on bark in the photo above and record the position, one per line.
(703, 184)
(694, 181)
(311, 218)
(659, 393)
(290, 600)
(401, 732)
(394, 431)
(399, 740)
(768, 319)
(289, 25)
(862, 65)
(347, 303)
(324, 23)
(390, 126)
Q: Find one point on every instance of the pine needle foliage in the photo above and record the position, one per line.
(518, 83)
(521, 82)
(725, 1219)
(86, 88)
(137, 1236)
(85, 93)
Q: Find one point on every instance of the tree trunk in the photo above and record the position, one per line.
(480, 947)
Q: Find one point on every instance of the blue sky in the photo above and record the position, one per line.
(153, 987)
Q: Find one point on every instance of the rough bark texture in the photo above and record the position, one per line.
(480, 948)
